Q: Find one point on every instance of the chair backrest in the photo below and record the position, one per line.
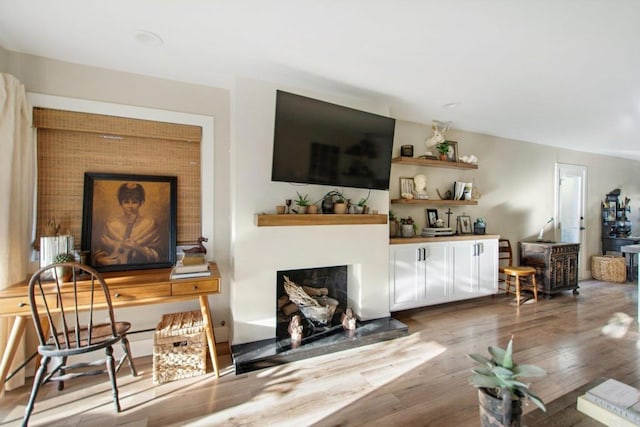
(63, 297)
(505, 255)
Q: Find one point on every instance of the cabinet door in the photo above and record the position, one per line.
(487, 251)
(437, 272)
(465, 270)
(408, 276)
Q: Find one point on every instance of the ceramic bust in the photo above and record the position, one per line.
(420, 187)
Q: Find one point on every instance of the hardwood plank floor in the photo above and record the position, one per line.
(418, 380)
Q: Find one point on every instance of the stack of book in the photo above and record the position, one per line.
(434, 232)
(191, 265)
(612, 403)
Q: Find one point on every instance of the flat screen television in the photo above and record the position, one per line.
(316, 142)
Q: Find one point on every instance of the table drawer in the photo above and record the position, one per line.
(195, 287)
(122, 295)
(20, 305)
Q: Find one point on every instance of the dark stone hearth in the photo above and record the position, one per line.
(271, 352)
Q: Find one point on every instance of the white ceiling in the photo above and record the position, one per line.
(554, 72)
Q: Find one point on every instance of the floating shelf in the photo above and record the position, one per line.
(433, 202)
(432, 163)
(272, 220)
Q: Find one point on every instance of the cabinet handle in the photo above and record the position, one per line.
(194, 288)
(22, 304)
(420, 254)
(117, 295)
(424, 254)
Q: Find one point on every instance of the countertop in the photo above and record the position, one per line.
(407, 240)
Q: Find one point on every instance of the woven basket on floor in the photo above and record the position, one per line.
(179, 347)
(609, 268)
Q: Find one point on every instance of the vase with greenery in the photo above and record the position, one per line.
(443, 148)
(500, 389)
(408, 227)
(302, 202)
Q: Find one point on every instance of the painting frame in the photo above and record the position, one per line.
(432, 217)
(129, 221)
(407, 186)
(464, 224)
(453, 155)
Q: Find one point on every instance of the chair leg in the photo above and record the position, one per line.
(37, 382)
(127, 353)
(62, 372)
(111, 368)
(535, 288)
(517, 290)
(507, 284)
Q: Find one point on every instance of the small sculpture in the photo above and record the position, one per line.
(200, 249)
(420, 187)
(348, 320)
(438, 135)
(295, 329)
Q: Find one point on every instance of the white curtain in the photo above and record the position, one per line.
(17, 186)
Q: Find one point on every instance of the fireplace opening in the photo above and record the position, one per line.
(319, 302)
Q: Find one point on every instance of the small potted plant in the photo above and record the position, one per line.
(339, 204)
(362, 204)
(443, 148)
(64, 273)
(302, 202)
(500, 390)
(407, 227)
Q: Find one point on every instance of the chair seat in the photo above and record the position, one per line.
(100, 336)
(514, 270)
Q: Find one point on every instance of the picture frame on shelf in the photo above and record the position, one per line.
(464, 224)
(407, 188)
(432, 217)
(129, 221)
(453, 155)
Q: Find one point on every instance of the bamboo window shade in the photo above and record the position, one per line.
(71, 143)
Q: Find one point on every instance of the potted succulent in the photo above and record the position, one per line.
(302, 202)
(500, 390)
(362, 204)
(64, 273)
(407, 227)
(339, 204)
(443, 148)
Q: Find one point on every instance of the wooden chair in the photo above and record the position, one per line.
(69, 322)
(520, 277)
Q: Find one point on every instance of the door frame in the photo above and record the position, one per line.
(564, 169)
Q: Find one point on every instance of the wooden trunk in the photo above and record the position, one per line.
(496, 412)
(556, 265)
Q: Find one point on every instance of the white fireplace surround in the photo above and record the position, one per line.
(259, 252)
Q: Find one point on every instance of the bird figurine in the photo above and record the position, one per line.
(200, 249)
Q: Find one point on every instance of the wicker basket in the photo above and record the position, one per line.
(609, 268)
(179, 347)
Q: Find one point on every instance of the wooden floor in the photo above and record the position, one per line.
(418, 380)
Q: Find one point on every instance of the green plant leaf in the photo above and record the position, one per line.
(482, 370)
(535, 399)
(484, 381)
(528, 371)
(507, 362)
(497, 354)
(481, 359)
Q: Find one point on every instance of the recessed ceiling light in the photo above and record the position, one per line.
(451, 105)
(147, 38)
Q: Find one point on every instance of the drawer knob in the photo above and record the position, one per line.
(22, 304)
(195, 288)
(117, 295)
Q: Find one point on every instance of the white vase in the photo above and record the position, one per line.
(407, 230)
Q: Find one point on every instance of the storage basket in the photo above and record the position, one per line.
(609, 268)
(179, 347)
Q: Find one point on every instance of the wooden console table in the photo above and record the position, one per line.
(127, 289)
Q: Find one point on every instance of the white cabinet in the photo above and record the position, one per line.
(433, 273)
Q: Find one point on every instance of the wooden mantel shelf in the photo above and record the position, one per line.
(272, 220)
(432, 163)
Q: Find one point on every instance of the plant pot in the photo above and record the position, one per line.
(394, 228)
(64, 273)
(312, 209)
(359, 209)
(495, 412)
(444, 157)
(302, 209)
(407, 230)
(339, 208)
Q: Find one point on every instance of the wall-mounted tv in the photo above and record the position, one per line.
(317, 142)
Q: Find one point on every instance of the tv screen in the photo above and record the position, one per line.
(317, 142)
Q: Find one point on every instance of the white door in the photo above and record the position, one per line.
(465, 283)
(407, 267)
(571, 182)
(437, 272)
(487, 266)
